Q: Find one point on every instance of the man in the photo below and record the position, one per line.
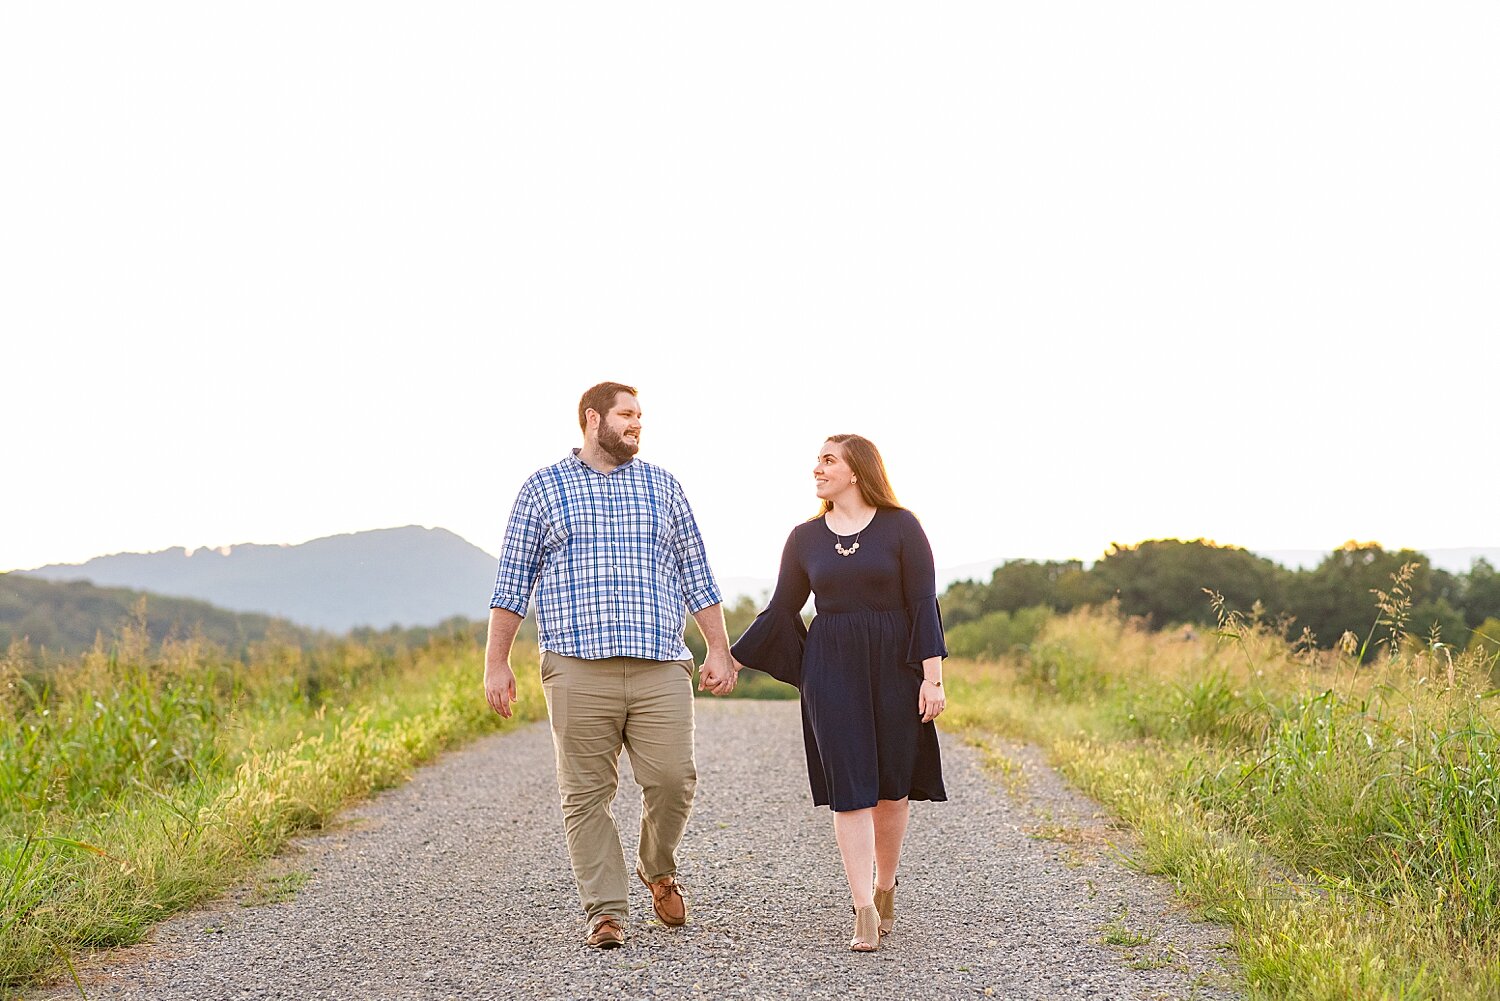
(610, 545)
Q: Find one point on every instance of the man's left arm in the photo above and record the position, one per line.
(701, 592)
(719, 671)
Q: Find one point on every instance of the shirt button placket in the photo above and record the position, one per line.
(614, 566)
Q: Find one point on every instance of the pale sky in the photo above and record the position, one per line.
(1085, 272)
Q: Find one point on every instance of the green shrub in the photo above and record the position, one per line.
(1485, 643)
(997, 633)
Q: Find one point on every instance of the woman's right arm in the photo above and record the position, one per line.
(773, 643)
(792, 585)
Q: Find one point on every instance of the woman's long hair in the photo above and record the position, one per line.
(869, 472)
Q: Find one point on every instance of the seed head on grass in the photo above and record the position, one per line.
(1305, 647)
(1395, 605)
(1231, 624)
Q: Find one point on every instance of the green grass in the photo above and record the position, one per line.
(1117, 932)
(135, 784)
(1341, 818)
(275, 889)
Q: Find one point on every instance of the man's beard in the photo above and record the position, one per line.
(615, 446)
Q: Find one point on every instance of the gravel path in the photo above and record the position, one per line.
(456, 885)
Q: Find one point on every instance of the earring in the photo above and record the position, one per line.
(854, 479)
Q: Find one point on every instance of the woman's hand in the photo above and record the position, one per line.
(930, 700)
(719, 672)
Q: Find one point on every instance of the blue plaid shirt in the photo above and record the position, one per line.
(615, 559)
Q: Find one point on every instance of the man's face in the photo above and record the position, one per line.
(620, 429)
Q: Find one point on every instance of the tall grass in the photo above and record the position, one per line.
(136, 783)
(1345, 819)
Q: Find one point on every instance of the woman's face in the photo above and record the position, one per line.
(831, 473)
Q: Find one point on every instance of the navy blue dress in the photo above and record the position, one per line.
(859, 665)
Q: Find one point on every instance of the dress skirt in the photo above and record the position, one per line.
(865, 739)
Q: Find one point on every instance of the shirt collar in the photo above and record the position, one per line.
(577, 458)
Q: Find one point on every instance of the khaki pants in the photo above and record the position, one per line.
(596, 707)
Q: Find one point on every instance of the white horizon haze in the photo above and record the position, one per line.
(1085, 273)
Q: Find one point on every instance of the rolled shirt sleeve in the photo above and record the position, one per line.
(520, 555)
(699, 588)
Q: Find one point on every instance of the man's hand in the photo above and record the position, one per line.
(499, 679)
(500, 686)
(718, 673)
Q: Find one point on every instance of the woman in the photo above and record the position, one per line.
(870, 668)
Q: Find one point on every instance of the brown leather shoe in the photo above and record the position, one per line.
(666, 899)
(605, 932)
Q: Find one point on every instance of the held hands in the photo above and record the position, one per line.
(931, 701)
(500, 686)
(718, 673)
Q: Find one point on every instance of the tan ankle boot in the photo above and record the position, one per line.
(885, 902)
(866, 929)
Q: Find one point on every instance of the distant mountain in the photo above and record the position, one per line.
(65, 617)
(409, 576)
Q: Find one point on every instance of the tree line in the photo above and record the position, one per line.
(1165, 582)
(49, 621)
(46, 623)
(1161, 582)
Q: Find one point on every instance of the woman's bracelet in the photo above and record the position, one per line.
(934, 684)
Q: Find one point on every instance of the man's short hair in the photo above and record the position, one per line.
(600, 399)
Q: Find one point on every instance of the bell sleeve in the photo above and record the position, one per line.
(919, 589)
(773, 643)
